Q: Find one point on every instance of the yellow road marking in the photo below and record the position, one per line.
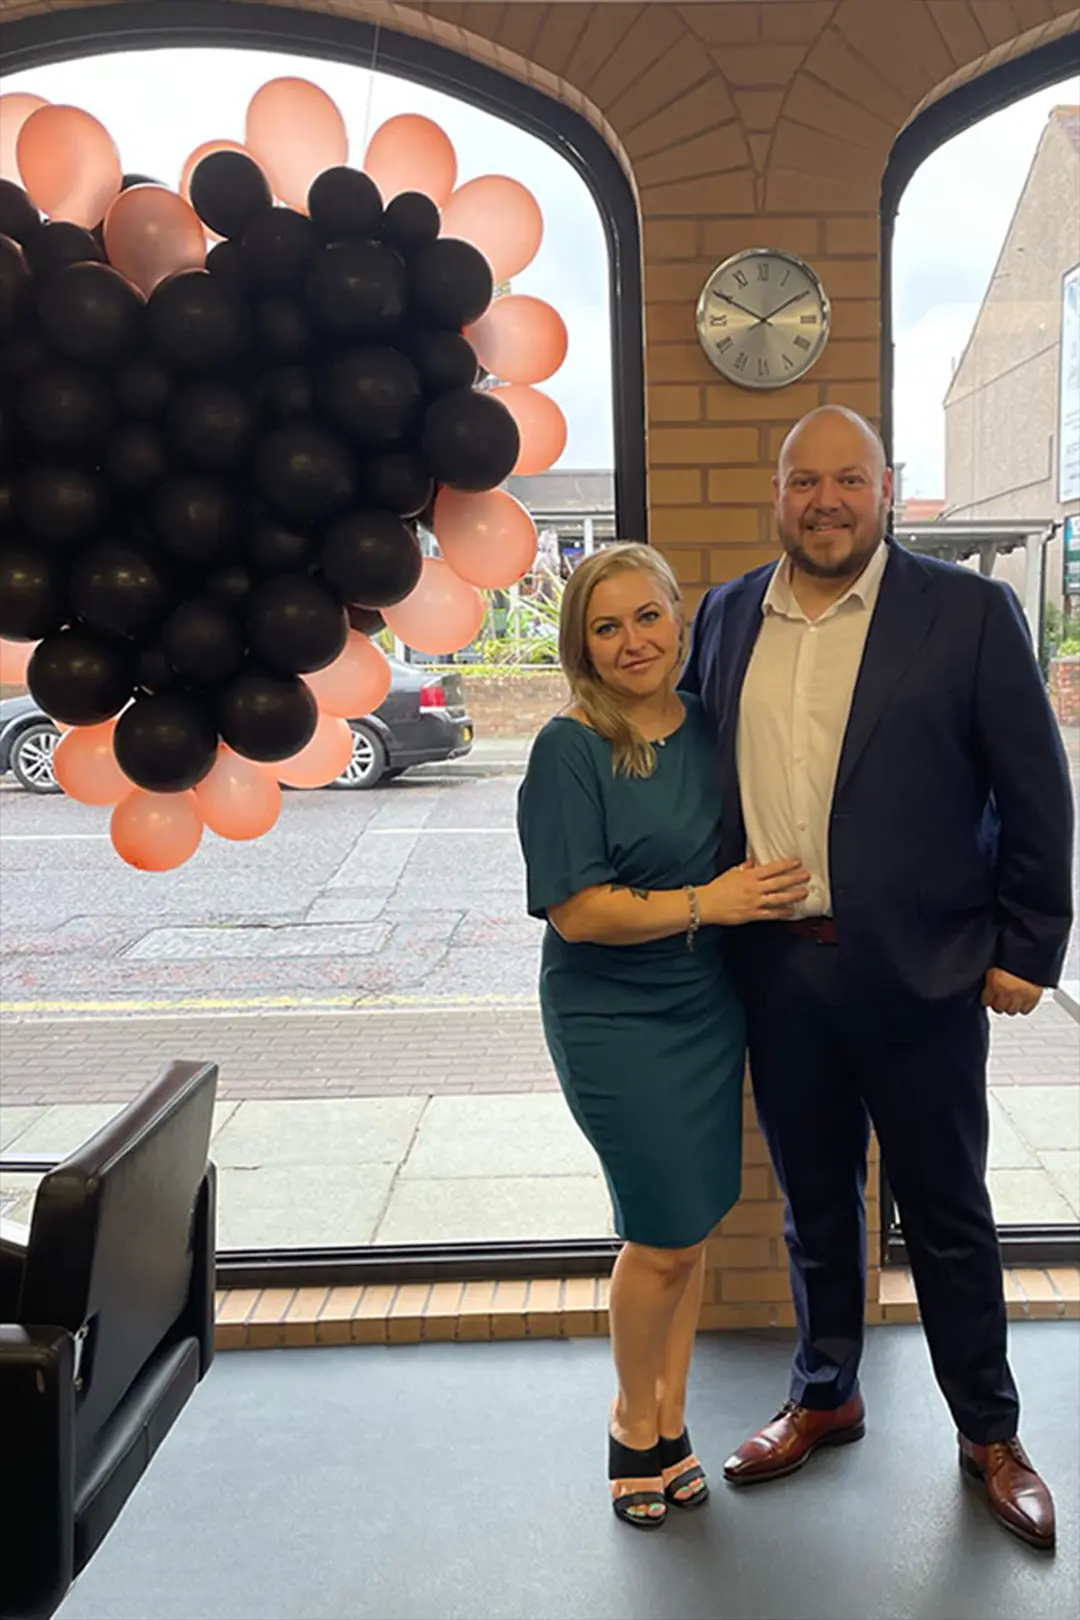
(221, 1006)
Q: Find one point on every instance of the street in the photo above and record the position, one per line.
(408, 895)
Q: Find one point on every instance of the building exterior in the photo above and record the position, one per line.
(1012, 412)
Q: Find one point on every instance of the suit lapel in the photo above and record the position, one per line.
(904, 613)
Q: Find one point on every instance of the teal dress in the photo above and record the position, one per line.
(647, 1040)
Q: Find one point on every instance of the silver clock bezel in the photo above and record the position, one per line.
(748, 256)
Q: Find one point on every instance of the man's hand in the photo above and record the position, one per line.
(1005, 993)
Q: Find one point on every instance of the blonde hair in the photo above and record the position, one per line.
(632, 754)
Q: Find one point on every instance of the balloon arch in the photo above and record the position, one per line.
(224, 410)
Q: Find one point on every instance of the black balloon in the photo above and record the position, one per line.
(62, 505)
(398, 481)
(286, 392)
(165, 742)
(294, 624)
(91, 314)
(14, 287)
(371, 557)
(197, 322)
(445, 360)
(225, 260)
(278, 249)
(266, 717)
(374, 396)
(358, 289)
(282, 330)
(32, 601)
(117, 590)
(79, 678)
(196, 519)
(135, 459)
(60, 243)
(411, 221)
(273, 547)
(153, 672)
(451, 283)
(202, 642)
(208, 426)
(129, 180)
(19, 219)
(23, 353)
(369, 621)
(229, 191)
(65, 408)
(303, 472)
(343, 202)
(469, 440)
(231, 584)
(143, 388)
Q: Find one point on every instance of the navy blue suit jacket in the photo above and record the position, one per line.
(950, 840)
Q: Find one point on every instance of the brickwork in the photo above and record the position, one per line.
(741, 125)
(1065, 689)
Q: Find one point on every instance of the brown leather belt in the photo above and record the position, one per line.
(820, 929)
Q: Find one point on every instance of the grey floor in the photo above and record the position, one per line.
(465, 1482)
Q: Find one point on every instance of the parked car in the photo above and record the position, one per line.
(422, 722)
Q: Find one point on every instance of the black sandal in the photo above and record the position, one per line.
(673, 1452)
(626, 1463)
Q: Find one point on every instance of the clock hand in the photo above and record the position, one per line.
(754, 316)
(787, 303)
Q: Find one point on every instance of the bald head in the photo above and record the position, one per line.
(833, 491)
(835, 429)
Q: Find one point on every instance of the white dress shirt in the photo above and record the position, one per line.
(794, 711)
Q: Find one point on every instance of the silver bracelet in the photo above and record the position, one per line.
(695, 915)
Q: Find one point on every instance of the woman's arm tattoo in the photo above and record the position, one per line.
(628, 888)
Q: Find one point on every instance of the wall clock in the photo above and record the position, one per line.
(763, 318)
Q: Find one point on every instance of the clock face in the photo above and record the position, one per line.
(763, 318)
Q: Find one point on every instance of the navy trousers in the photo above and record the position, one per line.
(821, 1074)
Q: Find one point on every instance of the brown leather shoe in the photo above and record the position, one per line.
(792, 1437)
(1018, 1498)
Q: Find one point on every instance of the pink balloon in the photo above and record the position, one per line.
(356, 682)
(443, 613)
(156, 832)
(501, 217)
(520, 339)
(151, 232)
(295, 131)
(411, 153)
(321, 760)
(14, 658)
(69, 164)
(15, 109)
(541, 424)
(238, 799)
(85, 765)
(488, 539)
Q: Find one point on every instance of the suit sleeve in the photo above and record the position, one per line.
(690, 680)
(1029, 774)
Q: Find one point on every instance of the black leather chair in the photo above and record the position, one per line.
(106, 1327)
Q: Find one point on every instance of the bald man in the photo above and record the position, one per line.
(881, 716)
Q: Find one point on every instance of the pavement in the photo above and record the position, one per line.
(365, 979)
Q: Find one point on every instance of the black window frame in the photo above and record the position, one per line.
(1033, 1244)
(85, 31)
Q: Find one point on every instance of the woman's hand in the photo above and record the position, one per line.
(752, 893)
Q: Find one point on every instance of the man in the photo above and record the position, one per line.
(881, 716)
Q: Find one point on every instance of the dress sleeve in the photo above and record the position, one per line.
(561, 819)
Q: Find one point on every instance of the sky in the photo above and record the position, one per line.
(952, 220)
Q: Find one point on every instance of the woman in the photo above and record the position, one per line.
(619, 820)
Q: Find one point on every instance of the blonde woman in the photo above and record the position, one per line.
(619, 819)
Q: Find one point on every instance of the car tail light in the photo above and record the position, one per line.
(433, 695)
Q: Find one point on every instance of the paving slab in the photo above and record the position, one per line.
(1008, 1150)
(460, 1210)
(1045, 1116)
(14, 1122)
(1064, 1171)
(1027, 1198)
(335, 1131)
(529, 1136)
(301, 1206)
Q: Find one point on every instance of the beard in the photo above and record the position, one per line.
(844, 567)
